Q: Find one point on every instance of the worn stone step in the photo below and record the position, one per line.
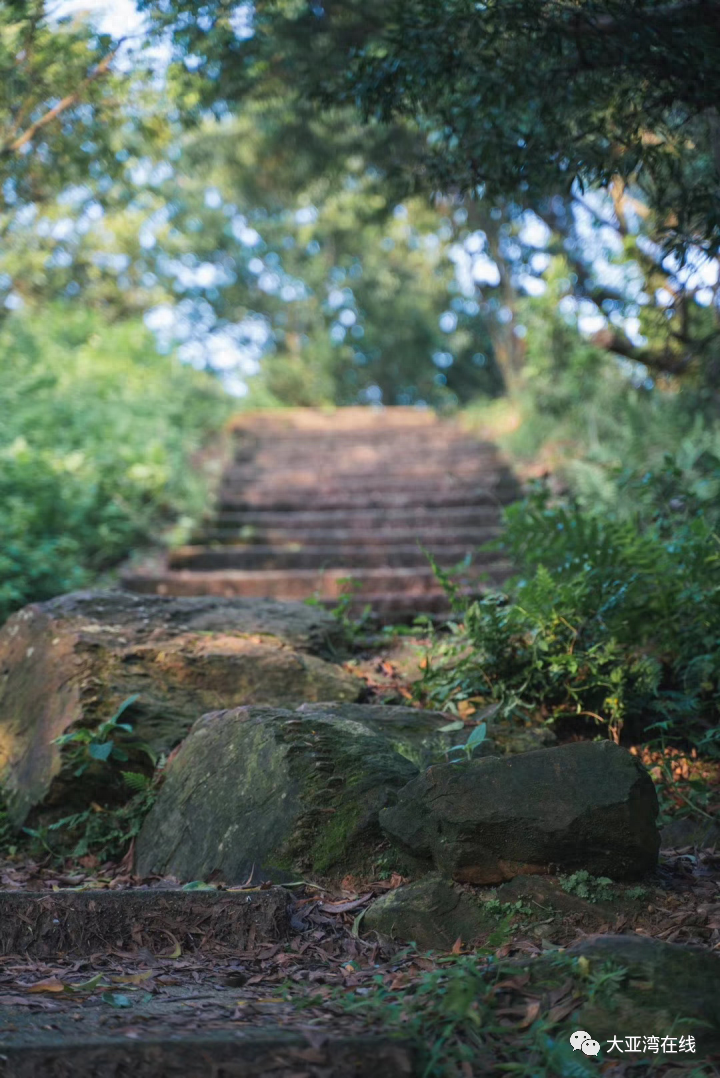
(400, 608)
(297, 583)
(342, 435)
(404, 497)
(353, 417)
(363, 452)
(237, 1052)
(360, 486)
(395, 471)
(319, 557)
(344, 539)
(359, 517)
(47, 925)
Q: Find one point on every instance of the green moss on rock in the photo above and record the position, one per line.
(273, 793)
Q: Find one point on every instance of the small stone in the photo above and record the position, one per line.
(431, 913)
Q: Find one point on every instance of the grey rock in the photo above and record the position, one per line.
(584, 805)
(431, 913)
(269, 793)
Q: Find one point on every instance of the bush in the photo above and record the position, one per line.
(96, 429)
(614, 618)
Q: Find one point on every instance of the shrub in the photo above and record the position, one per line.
(96, 429)
(614, 618)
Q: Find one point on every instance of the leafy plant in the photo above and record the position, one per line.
(585, 885)
(108, 742)
(475, 740)
(450, 1011)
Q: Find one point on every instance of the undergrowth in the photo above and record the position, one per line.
(451, 1011)
(612, 623)
(104, 832)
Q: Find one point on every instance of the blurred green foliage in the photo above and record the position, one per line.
(613, 618)
(96, 431)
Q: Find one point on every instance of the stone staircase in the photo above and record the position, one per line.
(159, 983)
(318, 505)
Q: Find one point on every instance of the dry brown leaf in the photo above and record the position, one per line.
(531, 1013)
(50, 984)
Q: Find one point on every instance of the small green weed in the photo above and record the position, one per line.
(353, 626)
(468, 748)
(584, 885)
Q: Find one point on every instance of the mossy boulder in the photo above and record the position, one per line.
(657, 989)
(70, 662)
(431, 913)
(414, 733)
(270, 793)
(586, 805)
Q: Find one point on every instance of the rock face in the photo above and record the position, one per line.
(430, 913)
(584, 805)
(667, 990)
(271, 793)
(72, 661)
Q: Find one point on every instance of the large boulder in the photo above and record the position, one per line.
(69, 663)
(584, 805)
(431, 913)
(269, 793)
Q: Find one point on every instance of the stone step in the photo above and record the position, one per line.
(387, 483)
(165, 1051)
(359, 517)
(297, 583)
(309, 473)
(317, 557)
(43, 925)
(364, 451)
(351, 418)
(344, 539)
(404, 497)
(398, 608)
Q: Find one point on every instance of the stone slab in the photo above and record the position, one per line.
(50, 925)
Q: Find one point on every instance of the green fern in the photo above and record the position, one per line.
(136, 781)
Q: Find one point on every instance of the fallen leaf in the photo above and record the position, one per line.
(116, 999)
(50, 984)
(531, 1013)
(135, 978)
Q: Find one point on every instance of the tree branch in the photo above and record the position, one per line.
(62, 106)
(613, 340)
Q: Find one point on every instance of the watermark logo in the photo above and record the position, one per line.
(583, 1042)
